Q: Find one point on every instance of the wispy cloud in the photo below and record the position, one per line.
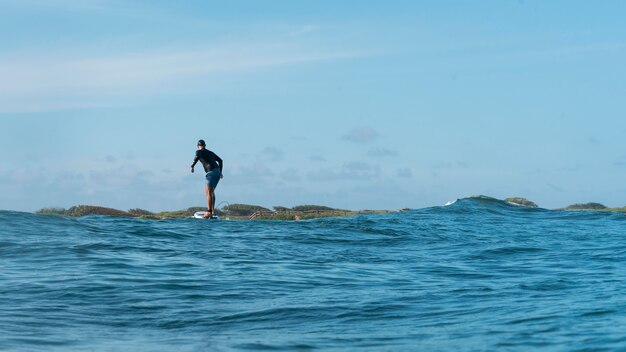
(405, 173)
(250, 175)
(621, 162)
(594, 141)
(48, 80)
(303, 30)
(272, 153)
(555, 188)
(353, 171)
(317, 158)
(290, 174)
(383, 152)
(362, 135)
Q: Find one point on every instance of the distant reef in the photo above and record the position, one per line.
(232, 211)
(574, 207)
(586, 206)
(592, 207)
(257, 212)
(521, 201)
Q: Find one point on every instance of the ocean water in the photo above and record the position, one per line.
(477, 275)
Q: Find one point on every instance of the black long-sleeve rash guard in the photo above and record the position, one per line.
(208, 159)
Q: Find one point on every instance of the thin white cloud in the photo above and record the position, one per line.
(86, 5)
(303, 30)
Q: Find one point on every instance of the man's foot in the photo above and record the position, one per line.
(207, 215)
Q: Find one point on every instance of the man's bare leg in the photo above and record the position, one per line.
(212, 192)
(209, 202)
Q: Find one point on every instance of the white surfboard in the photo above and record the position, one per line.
(200, 215)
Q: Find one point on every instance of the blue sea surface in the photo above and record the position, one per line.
(477, 275)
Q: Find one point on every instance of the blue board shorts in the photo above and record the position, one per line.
(213, 177)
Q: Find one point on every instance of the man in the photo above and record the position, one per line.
(213, 166)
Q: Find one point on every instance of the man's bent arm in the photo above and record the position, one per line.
(221, 162)
(195, 160)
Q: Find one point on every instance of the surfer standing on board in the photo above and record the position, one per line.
(213, 166)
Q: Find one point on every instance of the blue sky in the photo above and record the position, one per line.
(353, 104)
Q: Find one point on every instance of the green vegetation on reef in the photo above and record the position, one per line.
(83, 210)
(291, 214)
(232, 211)
(242, 209)
(311, 207)
(299, 212)
(51, 211)
(140, 212)
(186, 213)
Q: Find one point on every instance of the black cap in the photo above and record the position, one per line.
(201, 143)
